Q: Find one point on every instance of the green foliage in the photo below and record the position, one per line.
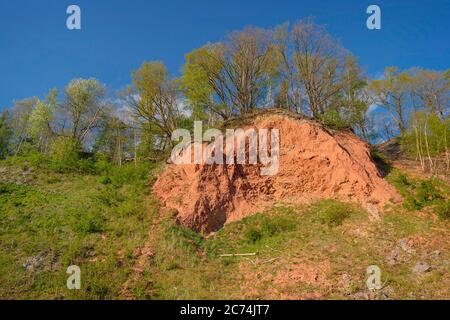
(422, 193)
(267, 227)
(391, 94)
(126, 174)
(92, 222)
(64, 154)
(443, 210)
(427, 192)
(194, 82)
(418, 193)
(59, 222)
(105, 180)
(332, 212)
(427, 135)
(5, 134)
(213, 75)
(40, 118)
(152, 96)
(182, 237)
(331, 118)
(254, 233)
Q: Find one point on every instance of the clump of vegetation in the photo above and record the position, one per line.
(64, 152)
(267, 227)
(443, 210)
(332, 212)
(92, 222)
(182, 237)
(421, 193)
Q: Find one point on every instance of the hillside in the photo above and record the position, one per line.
(130, 247)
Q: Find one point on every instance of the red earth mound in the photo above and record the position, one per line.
(313, 164)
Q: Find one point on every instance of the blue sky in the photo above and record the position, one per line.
(37, 52)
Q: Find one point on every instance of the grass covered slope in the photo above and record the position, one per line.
(108, 224)
(315, 252)
(51, 220)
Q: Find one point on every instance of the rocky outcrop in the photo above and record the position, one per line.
(314, 163)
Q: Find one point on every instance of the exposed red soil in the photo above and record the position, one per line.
(283, 280)
(314, 163)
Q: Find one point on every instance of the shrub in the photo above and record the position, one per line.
(427, 192)
(182, 237)
(403, 179)
(332, 119)
(110, 196)
(268, 226)
(127, 174)
(64, 154)
(105, 180)
(253, 234)
(332, 212)
(421, 194)
(443, 210)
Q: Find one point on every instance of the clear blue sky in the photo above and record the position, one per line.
(37, 52)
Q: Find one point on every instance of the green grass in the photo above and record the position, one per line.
(101, 221)
(422, 193)
(332, 213)
(188, 266)
(67, 219)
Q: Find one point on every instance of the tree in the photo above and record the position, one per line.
(198, 83)
(40, 122)
(289, 94)
(321, 64)
(427, 138)
(348, 107)
(431, 89)
(21, 113)
(115, 138)
(82, 108)
(282, 97)
(391, 93)
(152, 97)
(230, 77)
(5, 133)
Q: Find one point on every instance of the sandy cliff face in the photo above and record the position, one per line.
(313, 164)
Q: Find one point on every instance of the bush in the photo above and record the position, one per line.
(332, 212)
(332, 119)
(267, 227)
(182, 237)
(427, 192)
(64, 154)
(105, 180)
(253, 234)
(127, 174)
(419, 194)
(443, 210)
(403, 179)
